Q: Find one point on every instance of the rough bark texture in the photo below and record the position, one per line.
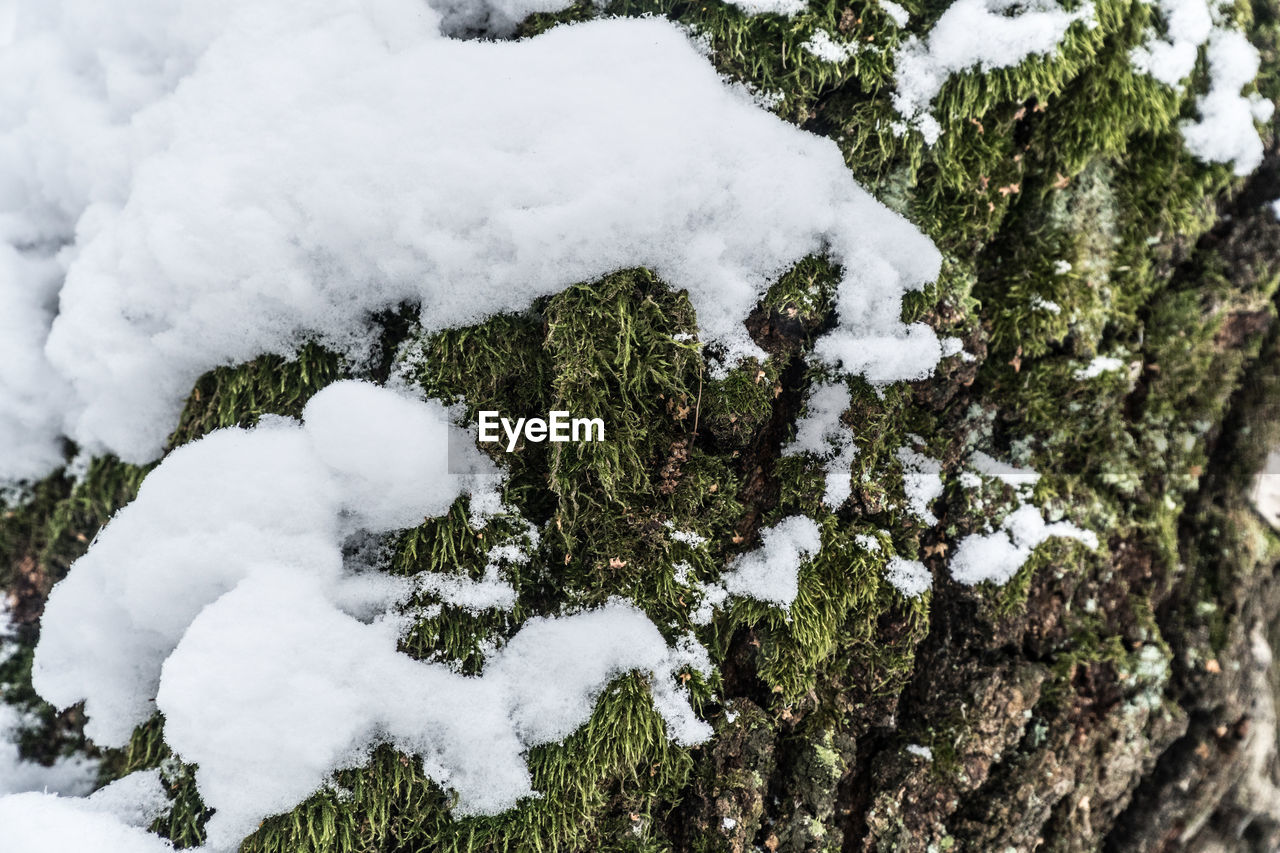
(1119, 700)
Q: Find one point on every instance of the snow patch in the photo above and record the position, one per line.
(922, 483)
(113, 820)
(900, 16)
(822, 45)
(1171, 58)
(221, 592)
(1265, 494)
(786, 8)
(771, 572)
(1012, 475)
(196, 217)
(821, 432)
(909, 577)
(975, 34)
(997, 556)
(1225, 132)
(1101, 364)
(70, 776)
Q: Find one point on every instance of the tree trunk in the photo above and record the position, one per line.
(1119, 699)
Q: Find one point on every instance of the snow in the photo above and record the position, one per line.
(1101, 364)
(1040, 303)
(473, 17)
(786, 8)
(900, 16)
(1265, 494)
(822, 45)
(687, 537)
(488, 593)
(997, 556)
(220, 591)
(472, 732)
(821, 432)
(284, 172)
(771, 572)
(233, 504)
(951, 346)
(1171, 59)
(71, 775)
(909, 577)
(989, 466)
(922, 483)
(920, 751)
(113, 820)
(1225, 132)
(975, 34)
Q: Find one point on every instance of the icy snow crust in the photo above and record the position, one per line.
(187, 185)
(219, 598)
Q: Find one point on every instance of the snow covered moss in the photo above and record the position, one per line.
(225, 580)
(1074, 158)
(660, 128)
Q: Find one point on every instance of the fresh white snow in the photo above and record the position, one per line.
(997, 556)
(1265, 493)
(922, 483)
(771, 572)
(988, 466)
(900, 16)
(219, 597)
(1099, 365)
(909, 577)
(73, 775)
(113, 820)
(980, 35)
(786, 8)
(1171, 58)
(233, 504)
(164, 216)
(825, 47)
(1225, 131)
(820, 431)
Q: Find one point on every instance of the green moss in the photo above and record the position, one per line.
(238, 396)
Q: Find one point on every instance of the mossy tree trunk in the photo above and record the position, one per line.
(1123, 699)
